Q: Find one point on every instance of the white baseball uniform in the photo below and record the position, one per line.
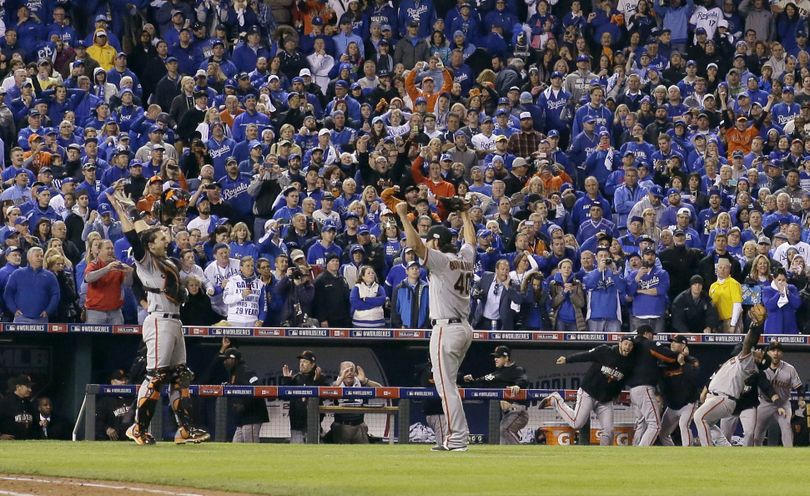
(784, 379)
(578, 416)
(673, 417)
(451, 279)
(725, 389)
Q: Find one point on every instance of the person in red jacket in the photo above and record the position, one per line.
(434, 181)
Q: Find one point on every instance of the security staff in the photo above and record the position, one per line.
(506, 375)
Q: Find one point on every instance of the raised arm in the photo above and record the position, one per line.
(412, 239)
(468, 229)
(757, 315)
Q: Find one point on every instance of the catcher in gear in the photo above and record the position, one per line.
(162, 330)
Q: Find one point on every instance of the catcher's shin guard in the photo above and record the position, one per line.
(148, 397)
(180, 396)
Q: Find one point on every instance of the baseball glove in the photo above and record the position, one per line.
(758, 314)
(455, 203)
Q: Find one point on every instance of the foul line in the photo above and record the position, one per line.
(12, 493)
(89, 484)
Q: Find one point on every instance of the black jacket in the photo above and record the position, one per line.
(680, 383)
(647, 354)
(707, 270)
(68, 309)
(331, 302)
(165, 91)
(693, 316)
(247, 410)
(604, 379)
(197, 310)
(18, 417)
(298, 406)
(116, 412)
(681, 263)
(503, 377)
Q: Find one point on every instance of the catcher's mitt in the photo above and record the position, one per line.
(758, 314)
(455, 203)
(172, 202)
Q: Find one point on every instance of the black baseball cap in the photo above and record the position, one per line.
(775, 345)
(22, 380)
(679, 338)
(307, 355)
(644, 329)
(119, 375)
(501, 351)
(441, 233)
(232, 353)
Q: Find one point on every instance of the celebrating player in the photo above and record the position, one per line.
(451, 278)
(728, 382)
(162, 329)
(506, 375)
(647, 354)
(680, 389)
(784, 378)
(601, 385)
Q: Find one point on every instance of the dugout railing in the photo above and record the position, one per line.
(398, 411)
(80, 339)
(399, 397)
(317, 334)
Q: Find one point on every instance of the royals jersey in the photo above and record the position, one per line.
(784, 379)
(451, 279)
(241, 309)
(730, 379)
(216, 275)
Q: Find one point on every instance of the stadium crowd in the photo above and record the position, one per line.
(628, 164)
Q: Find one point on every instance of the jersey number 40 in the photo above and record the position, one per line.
(464, 283)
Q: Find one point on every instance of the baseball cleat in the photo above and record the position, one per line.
(460, 448)
(438, 448)
(193, 435)
(144, 439)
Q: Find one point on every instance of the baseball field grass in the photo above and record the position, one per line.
(414, 470)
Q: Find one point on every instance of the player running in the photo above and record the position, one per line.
(728, 382)
(507, 375)
(647, 355)
(680, 390)
(162, 329)
(600, 387)
(451, 278)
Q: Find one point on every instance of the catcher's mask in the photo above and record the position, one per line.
(173, 202)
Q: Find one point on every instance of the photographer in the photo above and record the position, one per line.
(105, 278)
(604, 287)
(648, 285)
(287, 300)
